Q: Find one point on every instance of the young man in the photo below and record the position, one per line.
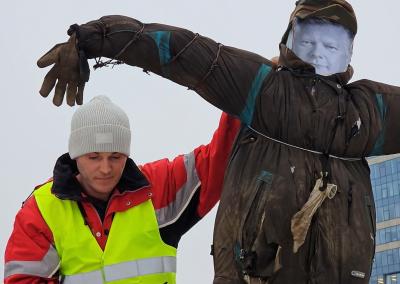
(297, 204)
(101, 218)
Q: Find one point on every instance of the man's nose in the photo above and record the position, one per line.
(317, 51)
(105, 166)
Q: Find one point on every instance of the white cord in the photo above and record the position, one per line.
(304, 149)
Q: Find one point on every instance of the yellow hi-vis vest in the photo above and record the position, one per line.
(134, 253)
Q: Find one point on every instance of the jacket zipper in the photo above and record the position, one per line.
(313, 95)
(368, 206)
(258, 201)
(245, 245)
(252, 207)
(370, 218)
(349, 203)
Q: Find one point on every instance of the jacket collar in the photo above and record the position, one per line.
(66, 186)
(289, 60)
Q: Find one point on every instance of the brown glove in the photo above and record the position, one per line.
(67, 72)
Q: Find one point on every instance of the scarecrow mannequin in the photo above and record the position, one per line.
(297, 204)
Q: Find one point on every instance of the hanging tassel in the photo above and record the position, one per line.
(301, 220)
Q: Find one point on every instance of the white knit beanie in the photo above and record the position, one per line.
(99, 126)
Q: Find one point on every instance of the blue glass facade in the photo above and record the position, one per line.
(385, 178)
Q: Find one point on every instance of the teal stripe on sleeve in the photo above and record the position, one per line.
(378, 147)
(247, 114)
(161, 39)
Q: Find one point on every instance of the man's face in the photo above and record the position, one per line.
(100, 172)
(325, 46)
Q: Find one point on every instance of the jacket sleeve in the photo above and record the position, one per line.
(227, 77)
(30, 257)
(200, 173)
(383, 103)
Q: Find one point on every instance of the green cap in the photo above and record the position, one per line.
(337, 11)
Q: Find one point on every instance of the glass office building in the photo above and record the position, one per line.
(385, 178)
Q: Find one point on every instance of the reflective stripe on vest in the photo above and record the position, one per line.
(134, 248)
(45, 268)
(130, 269)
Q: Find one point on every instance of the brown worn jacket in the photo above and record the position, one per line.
(267, 181)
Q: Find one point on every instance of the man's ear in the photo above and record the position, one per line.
(290, 38)
(350, 52)
(289, 41)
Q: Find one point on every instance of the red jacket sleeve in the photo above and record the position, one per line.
(212, 160)
(30, 248)
(174, 183)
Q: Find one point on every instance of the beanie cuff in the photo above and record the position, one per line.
(99, 138)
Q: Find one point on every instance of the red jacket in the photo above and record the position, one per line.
(182, 191)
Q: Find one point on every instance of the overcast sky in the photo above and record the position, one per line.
(167, 119)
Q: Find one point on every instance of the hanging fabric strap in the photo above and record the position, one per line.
(301, 221)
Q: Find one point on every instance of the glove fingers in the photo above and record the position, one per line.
(50, 57)
(59, 93)
(49, 82)
(71, 93)
(79, 95)
(66, 70)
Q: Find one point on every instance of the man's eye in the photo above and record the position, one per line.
(115, 157)
(332, 47)
(93, 157)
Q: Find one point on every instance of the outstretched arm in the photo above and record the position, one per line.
(226, 77)
(383, 103)
(187, 188)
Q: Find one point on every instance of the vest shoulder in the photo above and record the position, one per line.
(43, 189)
(50, 180)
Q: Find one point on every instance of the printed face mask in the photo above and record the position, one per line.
(325, 46)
